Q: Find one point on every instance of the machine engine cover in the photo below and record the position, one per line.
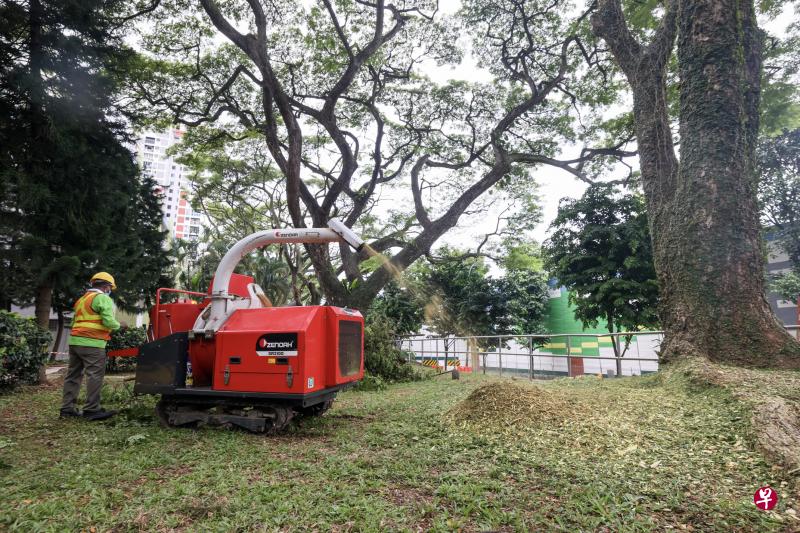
(293, 350)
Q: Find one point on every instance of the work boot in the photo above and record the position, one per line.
(100, 414)
(70, 413)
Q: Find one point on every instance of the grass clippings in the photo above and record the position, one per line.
(774, 398)
(628, 454)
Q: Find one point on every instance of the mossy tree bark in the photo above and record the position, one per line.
(703, 210)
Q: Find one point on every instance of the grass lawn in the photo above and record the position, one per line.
(630, 454)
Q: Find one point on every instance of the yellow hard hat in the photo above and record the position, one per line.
(104, 276)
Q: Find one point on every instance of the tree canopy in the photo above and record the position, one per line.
(338, 94)
(72, 201)
(461, 298)
(779, 190)
(600, 250)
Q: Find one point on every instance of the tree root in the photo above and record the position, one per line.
(773, 398)
(777, 424)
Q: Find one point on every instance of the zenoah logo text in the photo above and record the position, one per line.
(277, 344)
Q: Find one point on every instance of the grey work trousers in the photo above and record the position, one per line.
(92, 362)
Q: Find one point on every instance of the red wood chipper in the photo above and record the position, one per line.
(249, 364)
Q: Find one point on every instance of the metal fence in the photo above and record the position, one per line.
(543, 356)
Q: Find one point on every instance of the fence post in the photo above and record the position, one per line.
(484, 362)
(569, 358)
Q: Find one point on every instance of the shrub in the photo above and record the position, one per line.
(124, 338)
(23, 350)
(382, 357)
(370, 383)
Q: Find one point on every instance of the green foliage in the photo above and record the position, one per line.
(71, 199)
(787, 285)
(460, 295)
(124, 338)
(197, 261)
(371, 382)
(382, 358)
(238, 189)
(23, 350)
(399, 306)
(521, 302)
(780, 101)
(465, 300)
(137, 255)
(600, 250)
(523, 256)
(236, 184)
(779, 191)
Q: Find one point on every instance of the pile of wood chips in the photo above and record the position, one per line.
(508, 404)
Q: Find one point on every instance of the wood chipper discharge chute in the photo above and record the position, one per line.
(229, 358)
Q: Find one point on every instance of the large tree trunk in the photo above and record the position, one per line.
(44, 293)
(703, 213)
(717, 279)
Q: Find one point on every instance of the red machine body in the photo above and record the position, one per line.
(169, 318)
(166, 319)
(229, 358)
(283, 360)
(292, 350)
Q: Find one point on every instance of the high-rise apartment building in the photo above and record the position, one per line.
(151, 152)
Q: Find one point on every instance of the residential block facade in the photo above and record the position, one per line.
(154, 157)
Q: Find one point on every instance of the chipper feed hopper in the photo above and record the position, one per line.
(229, 358)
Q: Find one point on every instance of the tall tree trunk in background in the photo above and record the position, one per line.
(703, 212)
(615, 345)
(43, 304)
(59, 334)
(474, 355)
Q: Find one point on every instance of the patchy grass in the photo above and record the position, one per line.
(631, 454)
(772, 395)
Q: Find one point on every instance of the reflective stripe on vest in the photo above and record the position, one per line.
(87, 322)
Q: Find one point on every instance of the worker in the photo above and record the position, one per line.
(91, 329)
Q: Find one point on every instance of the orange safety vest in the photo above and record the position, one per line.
(87, 322)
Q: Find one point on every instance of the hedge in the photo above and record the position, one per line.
(23, 350)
